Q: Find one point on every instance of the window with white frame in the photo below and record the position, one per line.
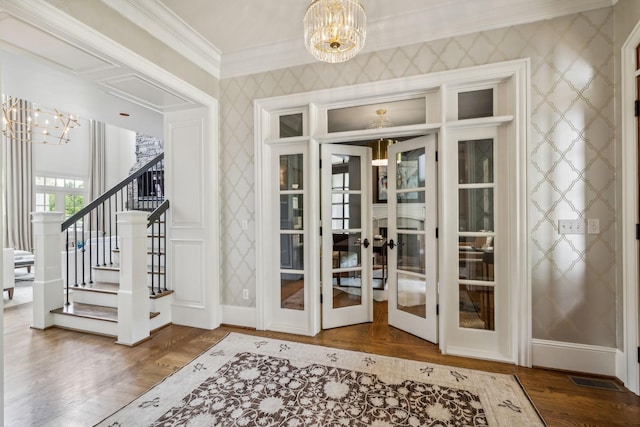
(61, 194)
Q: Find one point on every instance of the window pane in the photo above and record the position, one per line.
(291, 172)
(292, 291)
(475, 161)
(291, 125)
(79, 183)
(475, 258)
(348, 169)
(398, 113)
(59, 182)
(291, 210)
(475, 104)
(50, 182)
(411, 253)
(292, 251)
(411, 170)
(476, 307)
(476, 209)
(412, 295)
(39, 180)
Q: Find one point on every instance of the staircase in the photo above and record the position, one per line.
(113, 271)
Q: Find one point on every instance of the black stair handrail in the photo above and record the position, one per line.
(98, 201)
(157, 213)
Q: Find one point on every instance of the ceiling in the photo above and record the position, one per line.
(245, 37)
(226, 38)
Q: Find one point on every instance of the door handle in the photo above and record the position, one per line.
(365, 243)
(391, 244)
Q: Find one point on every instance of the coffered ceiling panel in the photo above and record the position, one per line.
(28, 38)
(141, 91)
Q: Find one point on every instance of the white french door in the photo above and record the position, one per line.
(412, 246)
(346, 235)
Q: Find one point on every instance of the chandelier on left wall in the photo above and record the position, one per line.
(26, 122)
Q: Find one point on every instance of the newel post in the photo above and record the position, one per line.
(133, 296)
(47, 283)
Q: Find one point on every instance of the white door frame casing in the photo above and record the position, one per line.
(628, 369)
(516, 76)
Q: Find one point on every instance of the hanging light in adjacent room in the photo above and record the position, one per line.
(334, 30)
(23, 121)
(379, 147)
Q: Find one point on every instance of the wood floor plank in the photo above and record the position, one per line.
(65, 378)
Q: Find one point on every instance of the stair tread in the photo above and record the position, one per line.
(148, 252)
(104, 287)
(90, 311)
(112, 288)
(116, 267)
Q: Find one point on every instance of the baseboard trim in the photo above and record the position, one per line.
(574, 357)
(239, 316)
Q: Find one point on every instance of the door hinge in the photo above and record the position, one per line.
(436, 156)
(636, 104)
(437, 309)
(320, 163)
(321, 231)
(637, 231)
(638, 354)
(436, 232)
(320, 298)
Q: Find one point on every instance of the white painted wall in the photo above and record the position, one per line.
(73, 159)
(68, 160)
(120, 153)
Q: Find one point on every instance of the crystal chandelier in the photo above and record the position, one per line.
(334, 30)
(25, 122)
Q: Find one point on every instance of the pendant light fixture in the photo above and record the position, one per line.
(379, 147)
(334, 30)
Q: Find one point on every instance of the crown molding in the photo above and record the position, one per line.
(163, 24)
(432, 23)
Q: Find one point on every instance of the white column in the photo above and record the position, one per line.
(133, 296)
(47, 284)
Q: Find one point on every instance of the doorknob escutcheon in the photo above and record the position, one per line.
(391, 244)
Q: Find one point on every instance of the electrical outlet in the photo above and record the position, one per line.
(570, 226)
(593, 226)
(245, 294)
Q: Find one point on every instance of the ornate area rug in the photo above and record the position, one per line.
(253, 381)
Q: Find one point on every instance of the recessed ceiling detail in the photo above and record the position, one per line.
(25, 37)
(144, 92)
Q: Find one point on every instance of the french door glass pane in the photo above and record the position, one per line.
(291, 172)
(475, 104)
(411, 252)
(412, 295)
(345, 172)
(477, 309)
(291, 212)
(292, 291)
(475, 161)
(476, 209)
(410, 170)
(291, 235)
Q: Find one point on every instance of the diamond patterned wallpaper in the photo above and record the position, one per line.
(571, 158)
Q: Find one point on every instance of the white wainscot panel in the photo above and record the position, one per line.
(186, 157)
(187, 270)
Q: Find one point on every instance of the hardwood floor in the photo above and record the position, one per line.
(65, 378)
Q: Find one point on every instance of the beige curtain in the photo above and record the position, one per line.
(18, 191)
(98, 161)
